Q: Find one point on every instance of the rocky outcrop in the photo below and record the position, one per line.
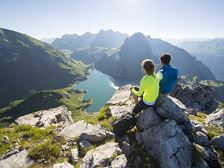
(216, 118)
(59, 116)
(84, 131)
(208, 155)
(147, 119)
(19, 160)
(165, 132)
(86, 136)
(120, 104)
(170, 108)
(107, 155)
(197, 96)
(167, 143)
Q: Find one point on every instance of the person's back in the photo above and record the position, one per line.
(169, 73)
(151, 88)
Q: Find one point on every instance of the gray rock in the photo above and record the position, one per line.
(216, 118)
(120, 103)
(191, 111)
(85, 131)
(139, 138)
(127, 149)
(28, 119)
(63, 165)
(74, 155)
(120, 96)
(199, 128)
(18, 160)
(208, 155)
(218, 142)
(119, 110)
(167, 143)
(119, 162)
(201, 139)
(59, 116)
(11, 152)
(170, 108)
(196, 96)
(148, 118)
(101, 156)
(85, 145)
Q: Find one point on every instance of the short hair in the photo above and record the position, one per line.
(165, 58)
(148, 66)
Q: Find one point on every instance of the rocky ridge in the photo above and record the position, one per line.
(167, 133)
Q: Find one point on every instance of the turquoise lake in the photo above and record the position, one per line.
(99, 87)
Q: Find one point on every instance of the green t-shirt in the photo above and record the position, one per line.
(149, 87)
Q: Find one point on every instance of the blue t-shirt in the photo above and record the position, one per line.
(169, 79)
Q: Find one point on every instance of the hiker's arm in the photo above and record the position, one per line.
(141, 89)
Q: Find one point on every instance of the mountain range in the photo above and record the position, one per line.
(120, 56)
(124, 63)
(104, 38)
(210, 52)
(27, 64)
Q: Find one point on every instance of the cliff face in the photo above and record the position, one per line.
(197, 96)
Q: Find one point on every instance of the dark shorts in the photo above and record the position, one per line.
(140, 105)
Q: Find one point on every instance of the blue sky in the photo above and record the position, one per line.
(158, 18)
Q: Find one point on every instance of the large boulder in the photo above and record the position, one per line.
(195, 95)
(148, 118)
(102, 156)
(169, 107)
(84, 131)
(121, 95)
(120, 103)
(19, 160)
(59, 116)
(168, 144)
(216, 118)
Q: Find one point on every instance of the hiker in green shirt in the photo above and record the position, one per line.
(149, 87)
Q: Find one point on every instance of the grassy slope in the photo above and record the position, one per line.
(28, 64)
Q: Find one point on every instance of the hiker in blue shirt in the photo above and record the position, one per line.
(169, 73)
